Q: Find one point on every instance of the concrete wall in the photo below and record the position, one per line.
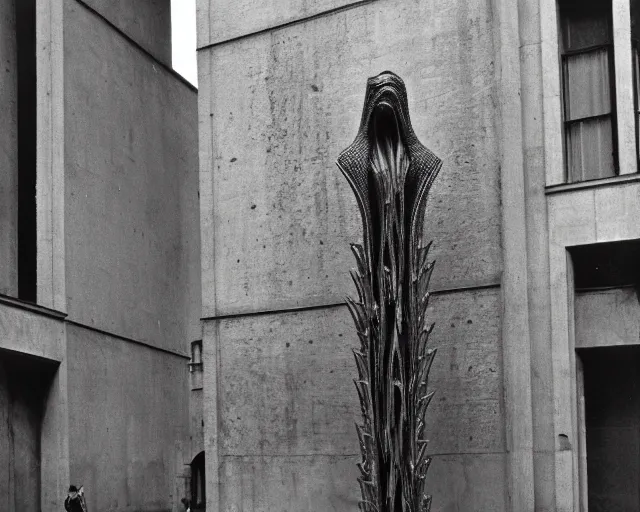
(29, 331)
(8, 152)
(36, 334)
(607, 318)
(196, 398)
(131, 258)
(287, 409)
(147, 22)
(196, 432)
(131, 188)
(128, 418)
(274, 126)
(277, 219)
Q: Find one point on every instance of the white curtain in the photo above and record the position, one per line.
(587, 100)
(636, 66)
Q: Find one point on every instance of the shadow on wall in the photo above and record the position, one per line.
(24, 383)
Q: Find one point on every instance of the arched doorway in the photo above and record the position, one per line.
(198, 484)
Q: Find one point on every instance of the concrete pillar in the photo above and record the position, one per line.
(551, 94)
(8, 152)
(626, 114)
(515, 323)
(50, 155)
(55, 443)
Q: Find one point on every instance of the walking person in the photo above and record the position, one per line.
(75, 500)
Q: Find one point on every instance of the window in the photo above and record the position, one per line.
(635, 45)
(588, 89)
(195, 366)
(196, 356)
(26, 39)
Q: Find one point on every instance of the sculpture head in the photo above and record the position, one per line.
(386, 101)
(386, 137)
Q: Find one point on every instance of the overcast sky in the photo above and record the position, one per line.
(183, 27)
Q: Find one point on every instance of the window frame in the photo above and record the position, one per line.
(564, 55)
(635, 56)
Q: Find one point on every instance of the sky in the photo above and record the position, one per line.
(183, 28)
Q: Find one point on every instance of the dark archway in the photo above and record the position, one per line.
(198, 484)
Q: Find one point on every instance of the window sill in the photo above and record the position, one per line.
(13, 302)
(603, 182)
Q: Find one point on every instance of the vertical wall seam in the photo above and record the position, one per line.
(515, 302)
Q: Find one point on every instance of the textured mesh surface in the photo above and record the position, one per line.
(354, 161)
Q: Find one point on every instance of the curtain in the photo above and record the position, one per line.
(636, 89)
(588, 114)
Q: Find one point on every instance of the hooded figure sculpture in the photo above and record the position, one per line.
(391, 173)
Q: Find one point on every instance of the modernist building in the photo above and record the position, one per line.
(535, 217)
(99, 257)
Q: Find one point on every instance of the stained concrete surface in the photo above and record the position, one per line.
(283, 216)
(278, 218)
(286, 380)
(224, 20)
(286, 398)
(607, 318)
(128, 416)
(196, 431)
(131, 189)
(147, 22)
(29, 332)
(469, 483)
(118, 191)
(8, 152)
(302, 483)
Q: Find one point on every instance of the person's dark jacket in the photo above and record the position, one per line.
(73, 504)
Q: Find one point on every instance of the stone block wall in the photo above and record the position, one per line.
(281, 93)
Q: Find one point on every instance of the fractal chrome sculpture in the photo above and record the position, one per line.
(391, 173)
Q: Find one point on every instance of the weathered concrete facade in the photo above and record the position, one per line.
(277, 220)
(118, 248)
(281, 91)
(9, 153)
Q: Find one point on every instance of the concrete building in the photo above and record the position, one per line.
(120, 361)
(535, 219)
(99, 256)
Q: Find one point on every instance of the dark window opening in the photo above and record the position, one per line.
(196, 356)
(198, 482)
(195, 365)
(24, 384)
(588, 89)
(609, 265)
(612, 418)
(26, 39)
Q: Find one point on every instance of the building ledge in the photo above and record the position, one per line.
(581, 185)
(30, 306)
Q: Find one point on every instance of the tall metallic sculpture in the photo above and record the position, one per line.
(391, 173)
